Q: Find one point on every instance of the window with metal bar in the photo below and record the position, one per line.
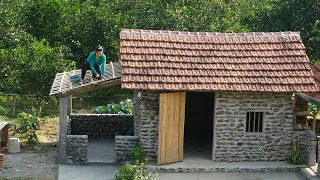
(254, 122)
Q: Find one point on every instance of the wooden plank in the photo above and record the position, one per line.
(111, 64)
(4, 135)
(92, 87)
(181, 124)
(169, 129)
(162, 130)
(176, 121)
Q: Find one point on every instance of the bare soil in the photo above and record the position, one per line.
(34, 161)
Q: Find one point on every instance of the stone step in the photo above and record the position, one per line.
(100, 163)
(210, 166)
(309, 174)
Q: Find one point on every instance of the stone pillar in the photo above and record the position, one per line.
(77, 146)
(63, 123)
(148, 123)
(124, 146)
(311, 148)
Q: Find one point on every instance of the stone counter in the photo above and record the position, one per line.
(101, 126)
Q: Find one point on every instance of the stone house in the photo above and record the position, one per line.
(219, 96)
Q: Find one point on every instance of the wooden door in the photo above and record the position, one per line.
(171, 127)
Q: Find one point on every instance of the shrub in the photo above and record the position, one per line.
(134, 172)
(26, 125)
(3, 111)
(125, 107)
(295, 156)
(138, 156)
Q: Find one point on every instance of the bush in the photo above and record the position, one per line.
(295, 156)
(125, 107)
(138, 156)
(3, 111)
(26, 125)
(134, 172)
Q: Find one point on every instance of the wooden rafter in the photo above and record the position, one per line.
(63, 86)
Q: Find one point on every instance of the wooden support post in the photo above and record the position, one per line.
(14, 105)
(314, 121)
(63, 123)
(70, 104)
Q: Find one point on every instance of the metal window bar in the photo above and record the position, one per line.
(249, 122)
(258, 129)
(254, 122)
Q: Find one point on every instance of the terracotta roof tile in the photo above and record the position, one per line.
(201, 61)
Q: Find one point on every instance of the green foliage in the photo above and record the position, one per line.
(295, 156)
(134, 172)
(39, 38)
(26, 125)
(138, 156)
(313, 109)
(3, 111)
(125, 107)
(295, 15)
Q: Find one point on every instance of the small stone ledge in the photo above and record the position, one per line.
(217, 169)
(124, 146)
(77, 149)
(102, 115)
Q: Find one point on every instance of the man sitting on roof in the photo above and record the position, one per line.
(94, 60)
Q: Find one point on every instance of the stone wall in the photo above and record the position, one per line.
(77, 149)
(146, 106)
(233, 143)
(308, 145)
(124, 146)
(101, 126)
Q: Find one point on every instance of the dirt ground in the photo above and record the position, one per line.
(34, 161)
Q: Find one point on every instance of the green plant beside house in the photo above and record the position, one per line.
(26, 125)
(295, 155)
(137, 170)
(124, 107)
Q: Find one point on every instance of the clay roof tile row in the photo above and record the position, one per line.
(208, 61)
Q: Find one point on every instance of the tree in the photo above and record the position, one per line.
(41, 63)
(295, 15)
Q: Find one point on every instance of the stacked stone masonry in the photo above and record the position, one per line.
(101, 126)
(233, 143)
(146, 121)
(124, 146)
(77, 149)
(308, 145)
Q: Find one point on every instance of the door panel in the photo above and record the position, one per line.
(171, 127)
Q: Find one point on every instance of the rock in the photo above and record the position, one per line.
(17, 170)
(29, 166)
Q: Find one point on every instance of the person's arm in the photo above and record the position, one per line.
(91, 62)
(104, 61)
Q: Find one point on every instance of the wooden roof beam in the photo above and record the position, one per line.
(91, 87)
